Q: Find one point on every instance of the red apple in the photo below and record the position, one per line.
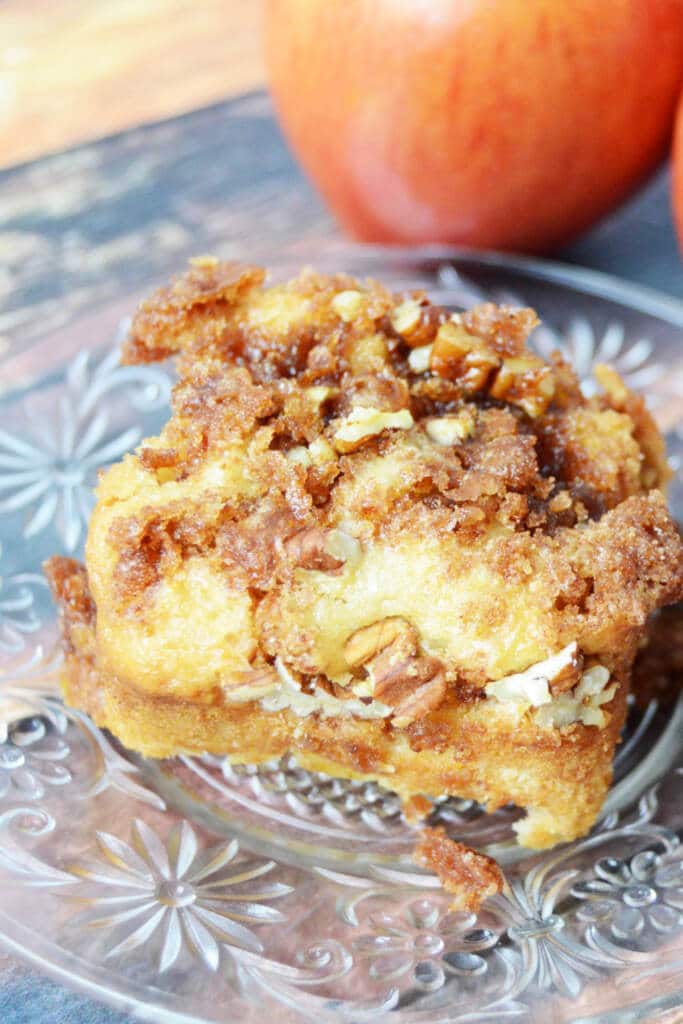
(501, 123)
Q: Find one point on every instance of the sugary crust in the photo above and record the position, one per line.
(382, 503)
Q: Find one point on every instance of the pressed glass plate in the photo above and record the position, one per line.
(192, 890)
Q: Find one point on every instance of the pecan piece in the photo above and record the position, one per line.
(527, 382)
(397, 671)
(371, 640)
(411, 684)
(417, 322)
(463, 357)
(307, 550)
(252, 684)
(569, 674)
(415, 701)
(365, 422)
(158, 458)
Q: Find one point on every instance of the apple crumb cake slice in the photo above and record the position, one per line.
(380, 535)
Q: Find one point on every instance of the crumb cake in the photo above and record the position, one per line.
(378, 534)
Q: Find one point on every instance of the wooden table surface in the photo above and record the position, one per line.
(77, 70)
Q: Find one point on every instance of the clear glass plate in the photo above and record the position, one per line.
(189, 890)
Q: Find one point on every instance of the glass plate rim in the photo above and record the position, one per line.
(598, 283)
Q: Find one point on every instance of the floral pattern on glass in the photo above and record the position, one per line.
(340, 801)
(51, 474)
(584, 348)
(190, 900)
(424, 944)
(351, 805)
(18, 615)
(630, 896)
(32, 757)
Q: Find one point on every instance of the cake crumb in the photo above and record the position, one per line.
(470, 877)
(416, 808)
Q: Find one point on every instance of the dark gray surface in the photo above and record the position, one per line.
(27, 998)
(638, 242)
(85, 226)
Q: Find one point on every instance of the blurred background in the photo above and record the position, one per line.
(76, 70)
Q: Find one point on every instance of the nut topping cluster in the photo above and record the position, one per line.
(411, 683)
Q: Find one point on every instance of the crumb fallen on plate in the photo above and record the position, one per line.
(470, 877)
(416, 808)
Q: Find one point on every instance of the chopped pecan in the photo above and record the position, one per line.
(371, 640)
(416, 322)
(252, 684)
(451, 429)
(535, 685)
(321, 362)
(505, 329)
(158, 458)
(569, 674)
(307, 549)
(364, 422)
(368, 354)
(397, 669)
(406, 317)
(348, 304)
(561, 502)
(412, 686)
(419, 704)
(420, 358)
(462, 357)
(525, 381)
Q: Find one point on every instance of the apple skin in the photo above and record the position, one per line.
(677, 181)
(509, 124)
